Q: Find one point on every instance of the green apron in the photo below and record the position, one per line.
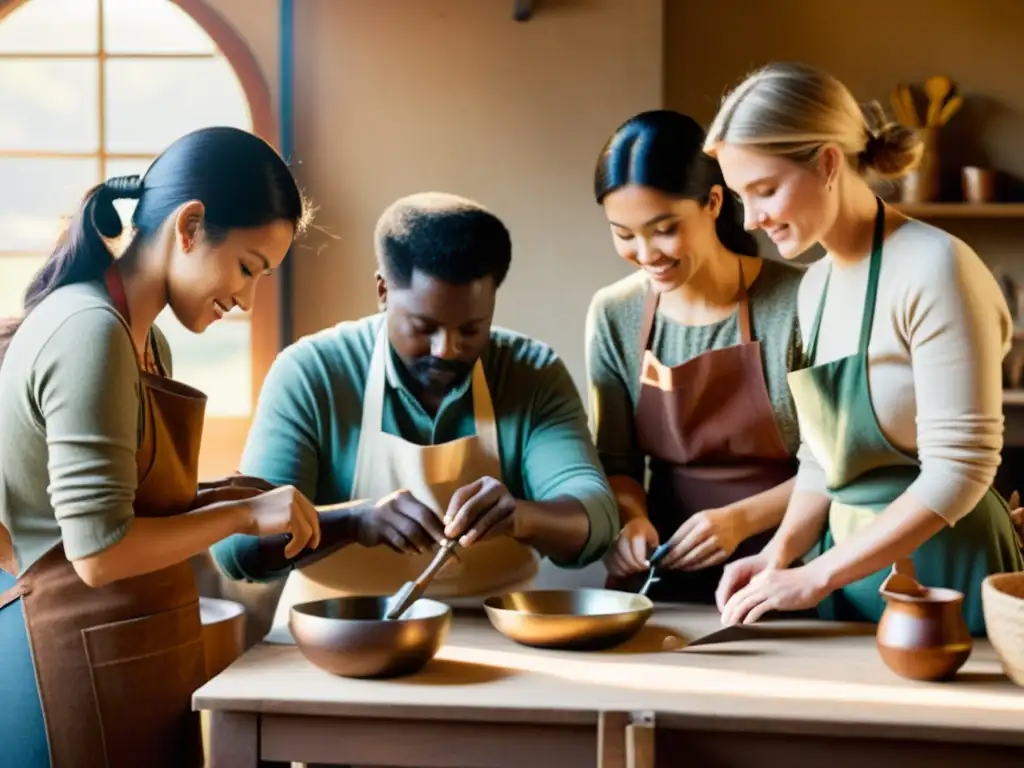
(866, 473)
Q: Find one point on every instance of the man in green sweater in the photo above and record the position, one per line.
(425, 423)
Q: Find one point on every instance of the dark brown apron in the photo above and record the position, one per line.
(117, 666)
(709, 429)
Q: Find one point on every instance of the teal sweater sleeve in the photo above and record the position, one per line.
(612, 406)
(282, 448)
(559, 459)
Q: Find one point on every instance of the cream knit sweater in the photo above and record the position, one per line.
(941, 329)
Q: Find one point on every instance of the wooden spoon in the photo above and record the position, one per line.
(937, 88)
(949, 109)
(909, 107)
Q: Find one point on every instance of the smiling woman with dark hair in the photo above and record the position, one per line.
(687, 362)
(99, 610)
(425, 423)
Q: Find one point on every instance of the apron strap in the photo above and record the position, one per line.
(373, 390)
(115, 287)
(874, 269)
(743, 308)
(812, 343)
(8, 596)
(647, 321)
(483, 413)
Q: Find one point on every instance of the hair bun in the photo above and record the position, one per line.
(124, 187)
(891, 149)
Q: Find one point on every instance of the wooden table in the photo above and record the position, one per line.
(801, 693)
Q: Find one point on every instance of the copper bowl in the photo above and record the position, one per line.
(577, 619)
(349, 636)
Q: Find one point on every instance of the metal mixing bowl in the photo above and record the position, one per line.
(580, 619)
(349, 636)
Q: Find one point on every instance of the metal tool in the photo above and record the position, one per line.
(412, 591)
(653, 561)
(730, 634)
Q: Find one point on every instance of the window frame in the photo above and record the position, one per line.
(224, 437)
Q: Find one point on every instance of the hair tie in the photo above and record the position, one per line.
(124, 187)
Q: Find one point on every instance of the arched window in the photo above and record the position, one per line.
(96, 88)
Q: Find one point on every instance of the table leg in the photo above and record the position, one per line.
(234, 740)
(625, 740)
(640, 741)
(611, 741)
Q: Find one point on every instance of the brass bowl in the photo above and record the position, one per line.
(572, 619)
(349, 636)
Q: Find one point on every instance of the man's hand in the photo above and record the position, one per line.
(481, 509)
(400, 521)
(628, 555)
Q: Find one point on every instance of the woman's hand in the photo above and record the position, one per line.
(628, 555)
(776, 589)
(285, 510)
(737, 576)
(706, 539)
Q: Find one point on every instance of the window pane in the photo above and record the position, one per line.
(217, 361)
(151, 26)
(36, 195)
(49, 105)
(145, 111)
(51, 26)
(15, 274)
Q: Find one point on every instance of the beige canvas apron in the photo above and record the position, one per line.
(432, 473)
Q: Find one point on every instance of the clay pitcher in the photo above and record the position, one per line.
(922, 634)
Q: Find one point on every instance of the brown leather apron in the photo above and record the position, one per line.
(709, 429)
(116, 666)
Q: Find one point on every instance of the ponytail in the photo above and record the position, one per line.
(729, 226)
(239, 178)
(81, 254)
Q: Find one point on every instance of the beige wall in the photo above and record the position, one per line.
(871, 45)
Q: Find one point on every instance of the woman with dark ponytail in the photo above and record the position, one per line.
(687, 362)
(99, 619)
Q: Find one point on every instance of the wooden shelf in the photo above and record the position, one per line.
(962, 210)
(1013, 397)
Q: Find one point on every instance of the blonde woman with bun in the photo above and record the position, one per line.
(900, 398)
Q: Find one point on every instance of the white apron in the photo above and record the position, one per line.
(432, 473)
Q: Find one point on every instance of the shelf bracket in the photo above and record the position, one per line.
(523, 10)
